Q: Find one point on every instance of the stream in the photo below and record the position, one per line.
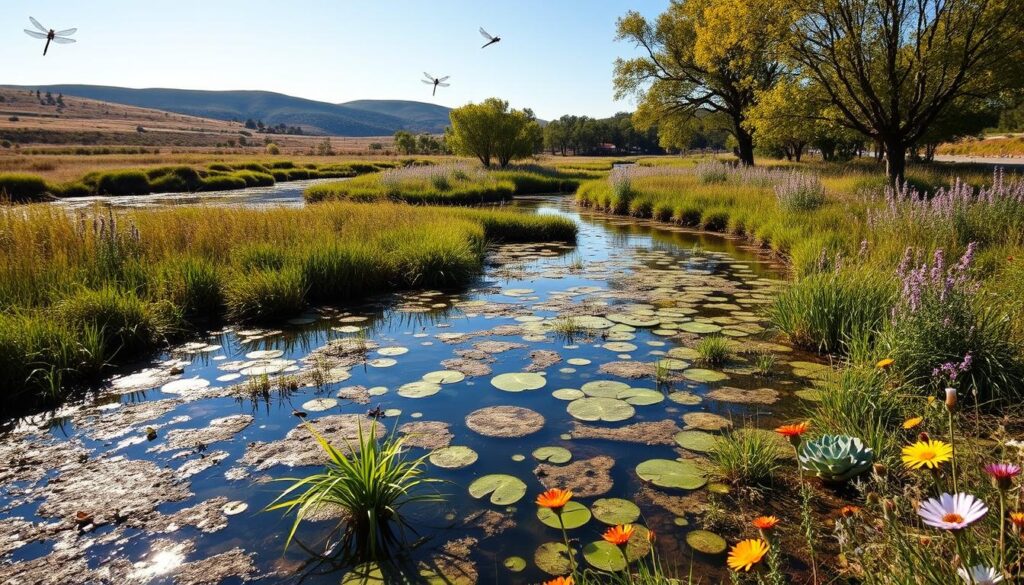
(169, 467)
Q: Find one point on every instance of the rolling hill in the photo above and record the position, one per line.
(359, 118)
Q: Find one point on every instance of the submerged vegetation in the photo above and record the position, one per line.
(80, 290)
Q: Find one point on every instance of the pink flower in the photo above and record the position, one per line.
(1002, 474)
(952, 511)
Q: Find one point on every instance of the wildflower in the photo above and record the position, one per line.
(793, 432)
(618, 535)
(927, 454)
(765, 522)
(980, 575)
(952, 511)
(651, 536)
(554, 498)
(849, 511)
(912, 422)
(560, 581)
(1002, 474)
(1017, 519)
(885, 363)
(746, 554)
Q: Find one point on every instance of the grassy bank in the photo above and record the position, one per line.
(80, 291)
(25, 187)
(451, 184)
(859, 251)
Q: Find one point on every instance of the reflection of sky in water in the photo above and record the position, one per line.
(613, 241)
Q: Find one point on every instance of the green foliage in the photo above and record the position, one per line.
(123, 182)
(861, 402)
(21, 187)
(129, 326)
(835, 458)
(714, 350)
(746, 457)
(490, 130)
(265, 295)
(371, 484)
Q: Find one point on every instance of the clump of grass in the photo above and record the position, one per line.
(128, 324)
(265, 295)
(859, 402)
(800, 192)
(19, 187)
(568, 328)
(764, 363)
(123, 182)
(748, 458)
(371, 484)
(714, 350)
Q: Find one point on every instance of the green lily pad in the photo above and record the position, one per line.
(668, 473)
(364, 574)
(518, 457)
(592, 322)
(809, 394)
(444, 377)
(684, 353)
(603, 409)
(685, 398)
(699, 441)
(382, 362)
(377, 391)
(578, 362)
(505, 490)
(641, 396)
(639, 545)
(680, 521)
(698, 327)
(419, 389)
(620, 347)
(706, 421)
(393, 351)
(702, 375)
(553, 558)
(615, 511)
(319, 404)
(557, 455)
(634, 320)
(518, 381)
(568, 394)
(604, 556)
(706, 542)
(515, 564)
(453, 457)
(574, 515)
(672, 364)
(604, 388)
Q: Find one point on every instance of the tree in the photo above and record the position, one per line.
(892, 67)
(250, 124)
(709, 56)
(405, 142)
(492, 130)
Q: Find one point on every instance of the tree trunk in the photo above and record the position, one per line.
(895, 159)
(745, 142)
(798, 151)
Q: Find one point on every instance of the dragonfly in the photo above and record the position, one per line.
(436, 82)
(60, 36)
(490, 39)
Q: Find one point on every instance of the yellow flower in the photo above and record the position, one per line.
(746, 554)
(912, 422)
(930, 454)
(885, 363)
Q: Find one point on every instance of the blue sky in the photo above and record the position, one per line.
(555, 56)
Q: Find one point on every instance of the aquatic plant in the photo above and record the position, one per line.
(372, 485)
(836, 458)
(714, 350)
(747, 456)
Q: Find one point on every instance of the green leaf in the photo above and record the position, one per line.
(600, 409)
(604, 556)
(574, 515)
(615, 511)
(706, 542)
(505, 490)
(518, 381)
(555, 455)
(672, 474)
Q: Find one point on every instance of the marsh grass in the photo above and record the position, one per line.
(714, 350)
(868, 403)
(746, 458)
(371, 485)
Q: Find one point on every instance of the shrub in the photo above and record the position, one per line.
(20, 187)
(746, 456)
(128, 325)
(255, 179)
(265, 295)
(221, 168)
(76, 189)
(223, 183)
(273, 149)
(125, 182)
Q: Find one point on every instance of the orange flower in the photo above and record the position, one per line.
(912, 422)
(1017, 518)
(560, 581)
(793, 430)
(849, 511)
(885, 363)
(651, 536)
(618, 534)
(746, 554)
(765, 522)
(554, 498)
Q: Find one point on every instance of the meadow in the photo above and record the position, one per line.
(79, 292)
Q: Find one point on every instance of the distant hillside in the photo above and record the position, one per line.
(362, 118)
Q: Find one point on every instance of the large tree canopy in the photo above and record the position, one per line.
(492, 130)
(892, 67)
(710, 56)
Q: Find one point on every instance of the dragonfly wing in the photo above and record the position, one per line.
(428, 76)
(445, 78)
(36, 24)
(485, 34)
(34, 34)
(66, 32)
(444, 84)
(63, 41)
(427, 82)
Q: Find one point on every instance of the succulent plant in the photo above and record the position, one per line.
(836, 458)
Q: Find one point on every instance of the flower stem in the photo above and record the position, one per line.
(952, 446)
(1002, 530)
(565, 538)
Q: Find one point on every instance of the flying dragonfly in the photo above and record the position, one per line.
(60, 36)
(490, 40)
(436, 82)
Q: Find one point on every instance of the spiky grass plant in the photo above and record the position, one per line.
(714, 350)
(371, 485)
(747, 458)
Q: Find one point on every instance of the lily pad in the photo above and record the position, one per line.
(574, 515)
(620, 347)
(684, 353)
(634, 320)
(641, 396)
(604, 556)
(604, 388)
(264, 354)
(702, 375)
(234, 508)
(668, 473)
(568, 394)
(319, 404)
(453, 457)
(706, 542)
(419, 389)
(504, 490)
(673, 364)
(685, 398)
(518, 381)
(515, 564)
(185, 386)
(578, 361)
(382, 362)
(552, 454)
(615, 511)
(698, 327)
(553, 558)
(705, 421)
(603, 409)
(444, 377)
(393, 351)
(699, 441)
